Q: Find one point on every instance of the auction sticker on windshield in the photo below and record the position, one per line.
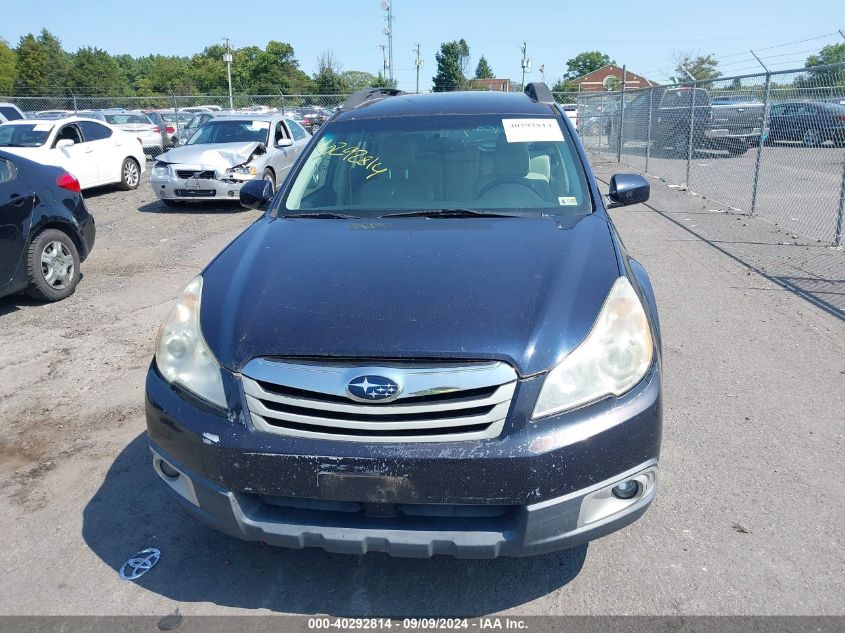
(531, 130)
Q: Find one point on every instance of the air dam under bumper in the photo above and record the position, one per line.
(541, 486)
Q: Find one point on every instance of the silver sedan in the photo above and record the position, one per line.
(225, 153)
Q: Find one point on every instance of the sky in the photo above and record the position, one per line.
(643, 35)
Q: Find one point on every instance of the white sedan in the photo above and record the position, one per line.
(95, 152)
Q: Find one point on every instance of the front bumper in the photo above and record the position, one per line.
(530, 491)
(174, 188)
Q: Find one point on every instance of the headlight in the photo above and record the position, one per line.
(243, 170)
(182, 355)
(612, 359)
(161, 169)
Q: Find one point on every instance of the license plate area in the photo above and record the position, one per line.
(364, 487)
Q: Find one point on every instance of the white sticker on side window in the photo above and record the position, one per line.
(530, 130)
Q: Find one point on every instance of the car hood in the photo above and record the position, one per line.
(216, 155)
(525, 291)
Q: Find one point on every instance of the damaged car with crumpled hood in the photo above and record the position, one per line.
(225, 153)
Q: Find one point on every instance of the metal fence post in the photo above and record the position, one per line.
(760, 144)
(691, 131)
(175, 108)
(73, 96)
(648, 132)
(839, 238)
(621, 115)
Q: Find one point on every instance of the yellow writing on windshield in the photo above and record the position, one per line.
(357, 157)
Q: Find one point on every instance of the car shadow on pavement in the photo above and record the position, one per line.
(224, 206)
(132, 511)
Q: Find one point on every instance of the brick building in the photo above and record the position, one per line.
(499, 85)
(607, 76)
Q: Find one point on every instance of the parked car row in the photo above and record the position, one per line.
(667, 118)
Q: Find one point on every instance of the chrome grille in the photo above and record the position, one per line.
(195, 173)
(437, 403)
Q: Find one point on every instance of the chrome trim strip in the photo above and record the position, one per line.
(490, 432)
(415, 381)
(499, 412)
(502, 394)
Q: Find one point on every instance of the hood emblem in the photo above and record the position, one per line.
(372, 389)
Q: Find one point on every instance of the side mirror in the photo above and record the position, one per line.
(626, 189)
(182, 140)
(255, 194)
(284, 142)
(65, 142)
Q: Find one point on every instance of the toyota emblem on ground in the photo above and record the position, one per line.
(140, 564)
(372, 388)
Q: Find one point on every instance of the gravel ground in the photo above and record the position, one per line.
(748, 519)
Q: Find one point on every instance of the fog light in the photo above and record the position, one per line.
(168, 470)
(626, 490)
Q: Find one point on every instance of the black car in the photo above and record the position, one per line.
(433, 342)
(810, 122)
(45, 229)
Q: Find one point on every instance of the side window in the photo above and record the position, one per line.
(296, 130)
(70, 132)
(280, 133)
(777, 110)
(94, 131)
(7, 171)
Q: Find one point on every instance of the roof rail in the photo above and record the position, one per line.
(367, 94)
(538, 91)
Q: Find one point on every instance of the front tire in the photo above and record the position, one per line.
(53, 266)
(811, 138)
(270, 177)
(130, 174)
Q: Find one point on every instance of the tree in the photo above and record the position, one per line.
(58, 62)
(586, 62)
(8, 68)
(32, 66)
(383, 82)
(277, 69)
(327, 80)
(483, 70)
(701, 67)
(564, 85)
(450, 62)
(95, 72)
(832, 54)
(357, 79)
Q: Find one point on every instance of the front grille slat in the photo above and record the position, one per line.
(442, 403)
(207, 174)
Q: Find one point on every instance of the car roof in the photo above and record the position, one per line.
(245, 117)
(58, 121)
(469, 102)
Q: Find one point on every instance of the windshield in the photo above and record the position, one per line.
(231, 132)
(127, 119)
(365, 167)
(25, 134)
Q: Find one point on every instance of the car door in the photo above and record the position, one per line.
(105, 146)
(281, 158)
(777, 122)
(16, 204)
(78, 158)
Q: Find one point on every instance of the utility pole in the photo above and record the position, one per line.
(383, 48)
(387, 5)
(228, 59)
(418, 63)
(526, 64)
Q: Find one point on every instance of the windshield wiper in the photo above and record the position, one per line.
(448, 213)
(320, 216)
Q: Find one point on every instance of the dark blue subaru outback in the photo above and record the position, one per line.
(433, 342)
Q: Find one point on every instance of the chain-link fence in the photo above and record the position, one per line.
(70, 103)
(768, 144)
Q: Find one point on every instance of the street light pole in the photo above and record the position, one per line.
(228, 59)
(387, 5)
(418, 63)
(526, 64)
